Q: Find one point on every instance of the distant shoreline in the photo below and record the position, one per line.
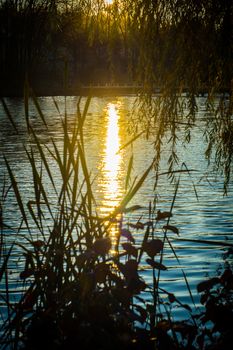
(95, 90)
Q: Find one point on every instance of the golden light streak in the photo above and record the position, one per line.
(112, 159)
(112, 165)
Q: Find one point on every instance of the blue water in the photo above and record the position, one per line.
(210, 217)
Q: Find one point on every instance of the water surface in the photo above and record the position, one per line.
(210, 217)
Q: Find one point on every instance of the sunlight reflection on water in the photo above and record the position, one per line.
(112, 158)
(111, 165)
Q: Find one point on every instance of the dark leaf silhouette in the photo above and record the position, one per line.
(116, 279)
(127, 234)
(142, 312)
(133, 208)
(227, 278)
(130, 269)
(153, 247)
(207, 285)
(101, 272)
(171, 228)
(122, 295)
(163, 215)
(135, 285)
(26, 273)
(38, 244)
(29, 300)
(171, 297)
(156, 265)
(148, 223)
(102, 246)
(130, 249)
(130, 272)
(139, 225)
(83, 257)
(203, 298)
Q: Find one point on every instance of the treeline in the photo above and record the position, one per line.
(171, 43)
(47, 40)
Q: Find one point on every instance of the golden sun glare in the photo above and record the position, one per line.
(112, 161)
(109, 2)
(112, 158)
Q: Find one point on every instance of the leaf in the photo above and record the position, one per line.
(26, 273)
(171, 228)
(56, 105)
(8, 113)
(131, 141)
(226, 277)
(122, 295)
(131, 265)
(139, 225)
(131, 193)
(156, 265)
(86, 175)
(5, 262)
(83, 257)
(87, 283)
(130, 249)
(136, 285)
(203, 298)
(171, 297)
(43, 158)
(38, 244)
(163, 215)
(142, 312)
(153, 247)
(148, 223)
(37, 105)
(145, 238)
(129, 269)
(86, 107)
(207, 285)
(133, 208)
(29, 299)
(16, 191)
(102, 246)
(116, 279)
(101, 272)
(130, 166)
(127, 234)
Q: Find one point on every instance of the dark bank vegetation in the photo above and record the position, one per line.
(80, 287)
(163, 44)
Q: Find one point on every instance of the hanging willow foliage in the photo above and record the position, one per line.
(179, 48)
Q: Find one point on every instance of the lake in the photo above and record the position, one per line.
(208, 217)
